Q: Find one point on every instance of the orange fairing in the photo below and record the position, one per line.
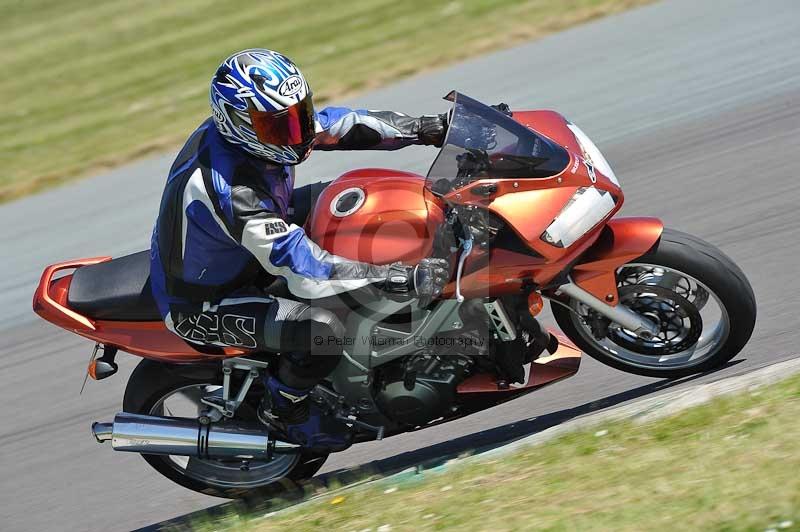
(623, 240)
(551, 124)
(544, 370)
(150, 339)
(529, 206)
(391, 217)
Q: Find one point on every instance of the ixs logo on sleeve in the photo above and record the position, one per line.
(275, 227)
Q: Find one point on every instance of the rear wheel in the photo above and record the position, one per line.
(175, 391)
(701, 301)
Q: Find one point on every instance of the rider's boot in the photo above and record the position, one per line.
(291, 412)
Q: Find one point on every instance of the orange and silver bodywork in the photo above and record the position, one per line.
(399, 216)
(383, 216)
(148, 339)
(395, 221)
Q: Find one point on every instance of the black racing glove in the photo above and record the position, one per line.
(503, 108)
(432, 129)
(426, 279)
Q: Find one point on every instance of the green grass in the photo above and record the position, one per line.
(729, 465)
(88, 85)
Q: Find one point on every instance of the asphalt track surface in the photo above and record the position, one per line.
(696, 105)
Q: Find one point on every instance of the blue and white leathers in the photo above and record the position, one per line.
(224, 211)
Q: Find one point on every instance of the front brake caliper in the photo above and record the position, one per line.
(598, 324)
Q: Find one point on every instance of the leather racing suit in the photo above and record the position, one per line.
(228, 219)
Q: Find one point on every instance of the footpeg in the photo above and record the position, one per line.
(378, 430)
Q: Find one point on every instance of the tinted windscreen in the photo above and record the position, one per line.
(482, 142)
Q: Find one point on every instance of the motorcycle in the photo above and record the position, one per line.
(523, 204)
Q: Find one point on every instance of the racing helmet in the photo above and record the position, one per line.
(261, 102)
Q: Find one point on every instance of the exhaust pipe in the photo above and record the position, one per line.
(188, 437)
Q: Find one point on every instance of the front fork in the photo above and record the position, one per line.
(641, 326)
(593, 281)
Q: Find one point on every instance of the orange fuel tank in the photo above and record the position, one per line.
(376, 215)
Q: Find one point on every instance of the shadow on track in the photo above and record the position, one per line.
(426, 457)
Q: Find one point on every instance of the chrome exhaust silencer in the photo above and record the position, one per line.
(188, 437)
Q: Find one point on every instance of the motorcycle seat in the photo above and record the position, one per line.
(117, 290)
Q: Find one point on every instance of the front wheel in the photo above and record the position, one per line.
(175, 391)
(702, 302)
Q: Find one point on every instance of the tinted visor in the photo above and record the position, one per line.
(291, 126)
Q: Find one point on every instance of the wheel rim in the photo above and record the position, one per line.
(693, 322)
(248, 474)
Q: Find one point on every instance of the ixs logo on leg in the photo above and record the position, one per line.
(275, 227)
(226, 329)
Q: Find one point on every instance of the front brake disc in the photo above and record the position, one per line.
(679, 321)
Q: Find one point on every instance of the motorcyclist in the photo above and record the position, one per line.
(230, 215)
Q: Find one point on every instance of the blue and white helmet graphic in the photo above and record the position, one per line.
(261, 102)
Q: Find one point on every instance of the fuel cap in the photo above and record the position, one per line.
(347, 202)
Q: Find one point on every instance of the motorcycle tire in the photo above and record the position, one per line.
(697, 260)
(151, 381)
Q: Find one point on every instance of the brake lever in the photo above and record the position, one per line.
(466, 250)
